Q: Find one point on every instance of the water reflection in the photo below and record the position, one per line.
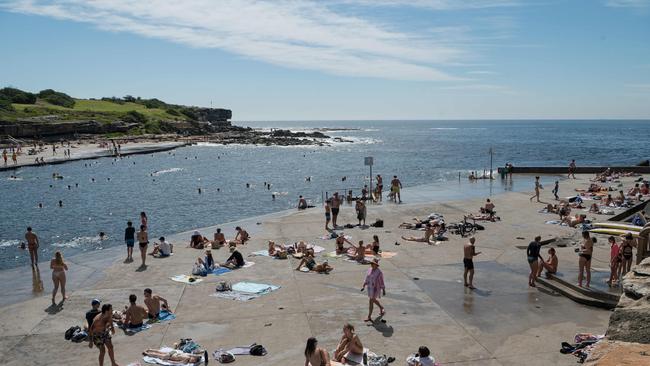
(37, 283)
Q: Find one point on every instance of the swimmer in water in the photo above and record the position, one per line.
(60, 203)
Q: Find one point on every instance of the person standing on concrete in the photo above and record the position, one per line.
(4, 156)
(100, 332)
(380, 187)
(532, 253)
(143, 242)
(375, 283)
(469, 252)
(538, 186)
(556, 189)
(336, 204)
(395, 188)
(572, 169)
(129, 239)
(328, 214)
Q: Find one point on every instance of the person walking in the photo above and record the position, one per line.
(58, 267)
(328, 214)
(538, 186)
(375, 283)
(572, 169)
(129, 239)
(469, 252)
(556, 189)
(395, 188)
(532, 253)
(380, 187)
(100, 332)
(143, 241)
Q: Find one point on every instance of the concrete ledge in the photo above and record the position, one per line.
(579, 170)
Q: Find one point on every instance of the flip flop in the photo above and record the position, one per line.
(382, 312)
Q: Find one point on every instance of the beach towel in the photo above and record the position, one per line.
(158, 361)
(136, 330)
(332, 254)
(185, 279)
(234, 295)
(220, 270)
(388, 254)
(317, 249)
(254, 288)
(553, 222)
(165, 315)
(248, 264)
(260, 253)
(242, 350)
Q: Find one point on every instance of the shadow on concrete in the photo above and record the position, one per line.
(380, 325)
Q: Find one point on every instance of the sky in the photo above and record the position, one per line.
(341, 59)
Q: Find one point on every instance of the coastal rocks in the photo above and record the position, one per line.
(31, 128)
(630, 321)
(616, 353)
(287, 133)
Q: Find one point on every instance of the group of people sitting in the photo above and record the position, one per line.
(207, 264)
(134, 315)
(198, 241)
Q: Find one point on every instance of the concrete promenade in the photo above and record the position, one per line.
(502, 322)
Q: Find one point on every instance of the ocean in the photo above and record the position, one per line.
(107, 192)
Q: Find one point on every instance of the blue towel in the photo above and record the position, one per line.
(220, 270)
(164, 316)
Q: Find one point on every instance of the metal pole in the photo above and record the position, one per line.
(491, 152)
(370, 192)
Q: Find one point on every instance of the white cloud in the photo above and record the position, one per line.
(297, 34)
(439, 4)
(482, 72)
(628, 3)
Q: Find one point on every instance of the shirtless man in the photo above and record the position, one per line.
(242, 236)
(336, 204)
(152, 301)
(99, 334)
(469, 252)
(135, 314)
(4, 155)
(380, 187)
(350, 347)
(550, 265)
(488, 208)
(572, 169)
(302, 203)
(395, 188)
(219, 240)
(328, 215)
(32, 246)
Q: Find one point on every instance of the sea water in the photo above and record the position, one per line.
(105, 193)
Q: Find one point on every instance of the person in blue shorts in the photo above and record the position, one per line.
(129, 238)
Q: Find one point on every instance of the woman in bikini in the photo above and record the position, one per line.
(375, 244)
(350, 349)
(58, 267)
(614, 260)
(584, 261)
(538, 186)
(627, 248)
(314, 355)
(144, 221)
(174, 357)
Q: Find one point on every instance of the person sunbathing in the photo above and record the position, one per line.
(277, 250)
(350, 349)
(575, 221)
(620, 199)
(198, 241)
(418, 224)
(340, 242)
(634, 190)
(482, 217)
(219, 240)
(551, 208)
(594, 208)
(608, 201)
(309, 262)
(488, 208)
(550, 265)
(241, 237)
(430, 231)
(360, 252)
(207, 262)
(645, 189)
(174, 357)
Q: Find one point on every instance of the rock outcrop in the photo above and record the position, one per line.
(630, 321)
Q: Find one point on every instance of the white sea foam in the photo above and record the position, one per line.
(444, 128)
(78, 242)
(9, 243)
(171, 170)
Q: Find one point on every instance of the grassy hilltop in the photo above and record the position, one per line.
(18, 106)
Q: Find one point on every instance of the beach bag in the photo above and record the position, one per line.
(224, 357)
(374, 360)
(224, 286)
(378, 223)
(79, 336)
(258, 350)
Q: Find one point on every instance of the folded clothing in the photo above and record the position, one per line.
(186, 279)
(165, 315)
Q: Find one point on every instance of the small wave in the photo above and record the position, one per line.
(78, 242)
(353, 140)
(9, 243)
(14, 178)
(171, 170)
(444, 128)
(280, 193)
(371, 130)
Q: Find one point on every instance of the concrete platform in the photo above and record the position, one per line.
(502, 322)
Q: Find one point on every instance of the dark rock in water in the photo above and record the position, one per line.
(644, 163)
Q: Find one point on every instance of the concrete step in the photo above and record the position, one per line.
(601, 295)
(588, 297)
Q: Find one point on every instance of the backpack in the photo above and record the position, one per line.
(79, 336)
(224, 286)
(378, 223)
(258, 350)
(70, 332)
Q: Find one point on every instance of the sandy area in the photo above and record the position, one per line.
(503, 322)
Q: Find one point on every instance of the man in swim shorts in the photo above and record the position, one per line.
(99, 334)
(129, 239)
(32, 246)
(135, 314)
(395, 187)
(153, 301)
(336, 204)
(469, 252)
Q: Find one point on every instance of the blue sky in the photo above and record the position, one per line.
(341, 59)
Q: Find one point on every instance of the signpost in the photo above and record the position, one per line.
(368, 161)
